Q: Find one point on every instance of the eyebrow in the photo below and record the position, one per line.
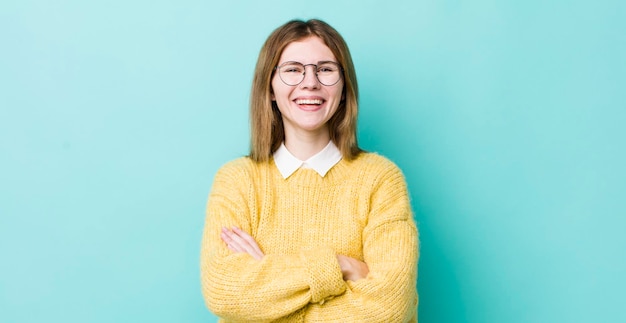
(318, 62)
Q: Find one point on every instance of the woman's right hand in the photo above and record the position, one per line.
(351, 268)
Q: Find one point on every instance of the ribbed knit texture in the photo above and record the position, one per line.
(359, 209)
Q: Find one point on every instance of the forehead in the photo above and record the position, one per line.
(308, 50)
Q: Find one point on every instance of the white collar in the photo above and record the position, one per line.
(321, 162)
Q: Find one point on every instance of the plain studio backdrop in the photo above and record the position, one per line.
(507, 118)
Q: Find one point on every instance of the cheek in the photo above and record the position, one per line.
(278, 91)
(340, 94)
(339, 89)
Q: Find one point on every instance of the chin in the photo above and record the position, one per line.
(311, 127)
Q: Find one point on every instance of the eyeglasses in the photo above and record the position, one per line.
(292, 73)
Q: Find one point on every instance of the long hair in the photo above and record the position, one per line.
(267, 130)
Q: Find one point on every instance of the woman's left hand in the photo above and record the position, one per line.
(238, 240)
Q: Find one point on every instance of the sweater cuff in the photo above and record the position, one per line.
(325, 279)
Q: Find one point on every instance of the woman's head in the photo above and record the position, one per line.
(266, 120)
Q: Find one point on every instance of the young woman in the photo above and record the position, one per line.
(308, 227)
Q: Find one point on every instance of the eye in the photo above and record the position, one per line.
(292, 68)
(327, 68)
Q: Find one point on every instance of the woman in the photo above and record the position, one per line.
(308, 227)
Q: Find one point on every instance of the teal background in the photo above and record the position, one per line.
(507, 118)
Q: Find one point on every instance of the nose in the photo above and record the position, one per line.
(310, 80)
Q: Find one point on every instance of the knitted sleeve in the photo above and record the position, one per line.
(237, 287)
(390, 249)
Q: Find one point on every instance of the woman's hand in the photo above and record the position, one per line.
(239, 241)
(352, 269)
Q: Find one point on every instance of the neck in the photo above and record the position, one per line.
(305, 145)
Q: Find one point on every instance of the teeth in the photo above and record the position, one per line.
(314, 101)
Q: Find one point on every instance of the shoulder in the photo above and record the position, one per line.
(386, 187)
(372, 170)
(239, 169)
(240, 163)
(238, 175)
(376, 164)
(375, 159)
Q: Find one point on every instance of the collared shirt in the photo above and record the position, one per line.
(321, 162)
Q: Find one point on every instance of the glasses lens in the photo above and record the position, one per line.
(328, 73)
(291, 73)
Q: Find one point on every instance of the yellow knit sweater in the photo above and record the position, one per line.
(359, 209)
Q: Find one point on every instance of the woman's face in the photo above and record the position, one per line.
(307, 107)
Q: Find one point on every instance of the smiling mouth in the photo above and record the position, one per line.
(309, 101)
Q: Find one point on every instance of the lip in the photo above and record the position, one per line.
(309, 97)
(310, 107)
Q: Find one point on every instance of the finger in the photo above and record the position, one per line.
(242, 242)
(231, 244)
(254, 249)
(227, 241)
(352, 268)
(247, 243)
(251, 242)
(231, 248)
